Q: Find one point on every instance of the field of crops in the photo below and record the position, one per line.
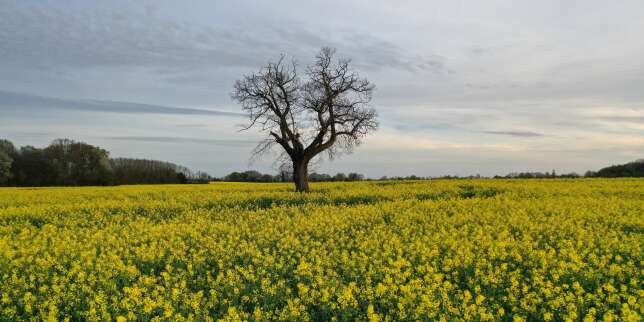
(422, 250)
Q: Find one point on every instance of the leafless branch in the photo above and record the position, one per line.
(328, 112)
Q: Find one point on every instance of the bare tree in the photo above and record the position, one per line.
(328, 111)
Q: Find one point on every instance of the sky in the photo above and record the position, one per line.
(462, 87)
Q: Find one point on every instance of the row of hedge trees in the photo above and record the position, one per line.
(631, 169)
(286, 176)
(70, 163)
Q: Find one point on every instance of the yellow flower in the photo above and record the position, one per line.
(423, 250)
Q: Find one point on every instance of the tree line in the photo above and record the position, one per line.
(631, 169)
(287, 176)
(66, 162)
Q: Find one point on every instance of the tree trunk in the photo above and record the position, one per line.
(301, 175)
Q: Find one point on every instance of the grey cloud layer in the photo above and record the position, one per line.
(53, 37)
(555, 76)
(17, 101)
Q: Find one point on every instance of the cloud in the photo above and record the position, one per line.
(372, 53)
(49, 37)
(193, 125)
(387, 140)
(10, 101)
(478, 51)
(626, 119)
(45, 35)
(515, 133)
(32, 134)
(169, 139)
(424, 126)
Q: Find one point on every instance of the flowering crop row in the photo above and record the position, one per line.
(484, 250)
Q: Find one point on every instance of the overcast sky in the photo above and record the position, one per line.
(463, 87)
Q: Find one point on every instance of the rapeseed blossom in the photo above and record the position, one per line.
(446, 250)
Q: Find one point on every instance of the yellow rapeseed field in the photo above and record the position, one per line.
(489, 250)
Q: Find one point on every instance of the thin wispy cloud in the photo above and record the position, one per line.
(620, 118)
(169, 139)
(9, 100)
(525, 134)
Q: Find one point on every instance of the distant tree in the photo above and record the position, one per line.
(631, 169)
(199, 177)
(77, 163)
(340, 177)
(233, 177)
(142, 171)
(354, 176)
(182, 178)
(7, 153)
(30, 168)
(8, 148)
(285, 173)
(328, 112)
(320, 177)
(253, 176)
(5, 168)
(590, 174)
(248, 176)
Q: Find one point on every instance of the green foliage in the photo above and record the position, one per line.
(7, 152)
(5, 168)
(69, 163)
(77, 163)
(141, 171)
(631, 169)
